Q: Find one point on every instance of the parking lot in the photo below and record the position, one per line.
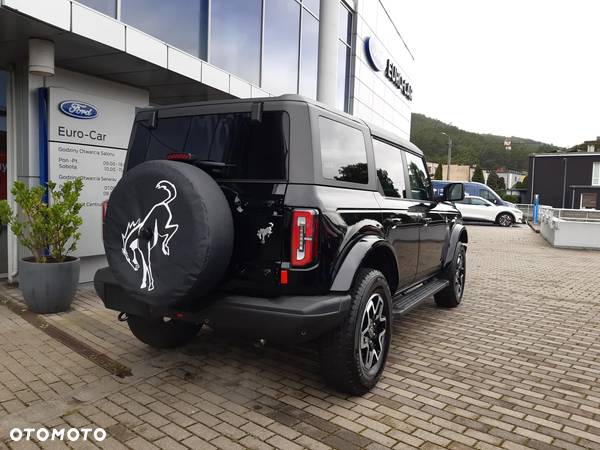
(516, 365)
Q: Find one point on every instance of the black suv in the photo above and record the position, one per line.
(278, 219)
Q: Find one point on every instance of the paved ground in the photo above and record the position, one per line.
(518, 364)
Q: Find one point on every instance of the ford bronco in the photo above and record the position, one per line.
(281, 219)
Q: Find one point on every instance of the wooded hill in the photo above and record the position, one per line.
(469, 148)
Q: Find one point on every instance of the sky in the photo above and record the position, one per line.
(527, 68)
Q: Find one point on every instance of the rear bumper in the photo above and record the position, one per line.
(284, 318)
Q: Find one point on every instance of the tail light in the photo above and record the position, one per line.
(305, 223)
(104, 206)
(179, 156)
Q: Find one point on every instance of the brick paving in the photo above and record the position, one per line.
(517, 365)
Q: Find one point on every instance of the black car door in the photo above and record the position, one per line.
(434, 217)
(401, 223)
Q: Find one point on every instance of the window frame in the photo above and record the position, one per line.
(595, 173)
(315, 114)
(401, 152)
(431, 198)
(226, 108)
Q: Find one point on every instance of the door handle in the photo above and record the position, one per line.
(426, 220)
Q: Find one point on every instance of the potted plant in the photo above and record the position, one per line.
(49, 278)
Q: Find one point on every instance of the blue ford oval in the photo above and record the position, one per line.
(78, 110)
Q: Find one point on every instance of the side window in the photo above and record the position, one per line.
(343, 152)
(418, 178)
(484, 193)
(471, 189)
(390, 169)
(478, 202)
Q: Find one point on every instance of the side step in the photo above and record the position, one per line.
(405, 302)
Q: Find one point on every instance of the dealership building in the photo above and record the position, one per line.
(72, 74)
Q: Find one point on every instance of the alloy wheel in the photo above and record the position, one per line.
(373, 332)
(505, 220)
(459, 276)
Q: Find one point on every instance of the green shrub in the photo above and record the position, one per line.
(45, 228)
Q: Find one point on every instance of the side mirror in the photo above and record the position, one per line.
(454, 192)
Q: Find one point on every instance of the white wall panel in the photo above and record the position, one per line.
(215, 77)
(375, 98)
(97, 26)
(54, 12)
(239, 88)
(184, 64)
(145, 47)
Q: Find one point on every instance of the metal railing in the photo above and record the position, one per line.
(548, 212)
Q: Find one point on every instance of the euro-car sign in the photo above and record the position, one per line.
(93, 150)
(78, 109)
(374, 54)
(376, 57)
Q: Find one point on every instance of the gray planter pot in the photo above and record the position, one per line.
(48, 288)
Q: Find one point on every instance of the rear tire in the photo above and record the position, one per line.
(505, 219)
(162, 332)
(353, 355)
(455, 273)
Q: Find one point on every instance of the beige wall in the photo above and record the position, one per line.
(457, 172)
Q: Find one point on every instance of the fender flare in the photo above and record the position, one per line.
(458, 234)
(360, 251)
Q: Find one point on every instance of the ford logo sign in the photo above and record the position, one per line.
(78, 110)
(374, 54)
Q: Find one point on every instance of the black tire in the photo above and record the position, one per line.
(161, 332)
(344, 364)
(505, 219)
(168, 233)
(455, 273)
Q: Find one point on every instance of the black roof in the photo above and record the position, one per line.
(375, 130)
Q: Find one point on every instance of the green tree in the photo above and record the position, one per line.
(486, 150)
(501, 184)
(493, 181)
(438, 173)
(42, 226)
(478, 175)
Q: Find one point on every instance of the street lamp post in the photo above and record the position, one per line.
(449, 154)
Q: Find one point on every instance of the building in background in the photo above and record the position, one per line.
(565, 180)
(511, 177)
(72, 74)
(457, 172)
(592, 146)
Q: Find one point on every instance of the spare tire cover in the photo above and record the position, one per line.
(168, 232)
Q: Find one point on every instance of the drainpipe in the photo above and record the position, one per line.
(328, 52)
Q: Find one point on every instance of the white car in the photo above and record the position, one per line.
(482, 210)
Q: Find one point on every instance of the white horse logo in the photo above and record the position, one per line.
(142, 235)
(264, 233)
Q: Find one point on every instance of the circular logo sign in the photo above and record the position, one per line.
(374, 56)
(78, 110)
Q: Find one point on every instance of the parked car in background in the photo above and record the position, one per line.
(482, 210)
(475, 189)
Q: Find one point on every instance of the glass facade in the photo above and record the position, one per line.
(312, 5)
(344, 49)
(270, 43)
(280, 48)
(182, 23)
(108, 7)
(309, 55)
(235, 37)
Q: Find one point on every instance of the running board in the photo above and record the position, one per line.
(405, 302)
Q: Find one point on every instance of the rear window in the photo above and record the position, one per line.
(343, 152)
(247, 149)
